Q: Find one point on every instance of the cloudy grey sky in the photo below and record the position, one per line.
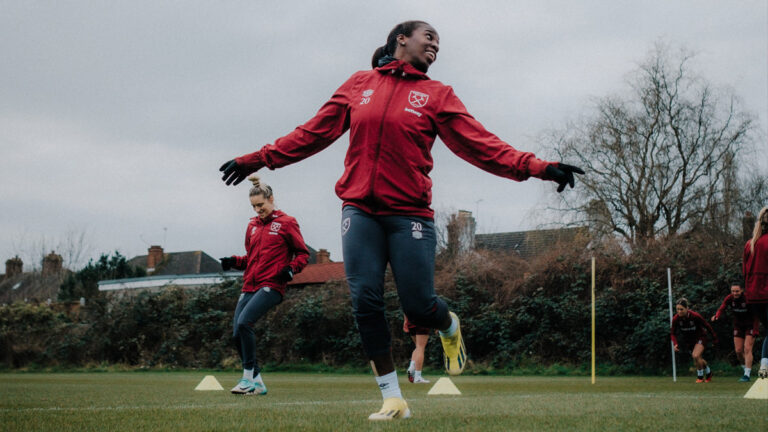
(115, 115)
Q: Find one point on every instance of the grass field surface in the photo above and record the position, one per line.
(161, 401)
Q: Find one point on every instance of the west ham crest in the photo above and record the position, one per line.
(418, 99)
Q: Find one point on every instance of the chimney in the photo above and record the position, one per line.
(13, 267)
(467, 228)
(323, 256)
(154, 257)
(52, 264)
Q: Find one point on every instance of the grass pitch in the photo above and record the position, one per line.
(154, 401)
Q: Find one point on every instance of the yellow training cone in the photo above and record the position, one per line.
(444, 386)
(209, 383)
(759, 389)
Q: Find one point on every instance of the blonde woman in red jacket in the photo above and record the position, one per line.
(393, 113)
(755, 270)
(275, 251)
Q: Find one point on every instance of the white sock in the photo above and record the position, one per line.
(417, 375)
(764, 363)
(707, 370)
(389, 386)
(248, 374)
(747, 371)
(257, 379)
(450, 331)
(412, 366)
(700, 372)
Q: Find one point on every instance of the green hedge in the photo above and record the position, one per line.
(514, 315)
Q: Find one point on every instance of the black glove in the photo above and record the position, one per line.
(227, 263)
(234, 172)
(286, 274)
(562, 174)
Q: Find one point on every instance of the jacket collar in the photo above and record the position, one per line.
(274, 215)
(401, 68)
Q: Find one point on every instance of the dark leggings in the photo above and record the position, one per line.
(251, 307)
(760, 310)
(407, 243)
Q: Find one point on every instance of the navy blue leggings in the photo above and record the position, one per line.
(760, 310)
(407, 243)
(250, 307)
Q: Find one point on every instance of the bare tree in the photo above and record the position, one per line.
(73, 246)
(663, 158)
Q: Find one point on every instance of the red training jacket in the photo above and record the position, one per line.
(394, 114)
(755, 271)
(694, 325)
(271, 245)
(741, 314)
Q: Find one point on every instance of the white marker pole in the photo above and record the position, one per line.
(671, 314)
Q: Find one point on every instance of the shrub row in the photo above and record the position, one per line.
(514, 314)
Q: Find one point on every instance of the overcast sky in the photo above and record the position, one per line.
(115, 115)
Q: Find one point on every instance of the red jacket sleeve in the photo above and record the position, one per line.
(299, 248)
(706, 325)
(330, 122)
(469, 140)
(722, 307)
(672, 330)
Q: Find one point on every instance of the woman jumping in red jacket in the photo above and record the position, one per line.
(755, 271)
(275, 251)
(393, 113)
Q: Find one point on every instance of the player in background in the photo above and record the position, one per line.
(420, 337)
(745, 327)
(755, 272)
(275, 251)
(693, 337)
(394, 113)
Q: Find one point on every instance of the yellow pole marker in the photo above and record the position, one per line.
(593, 320)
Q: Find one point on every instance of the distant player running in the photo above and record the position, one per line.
(420, 337)
(275, 250)
(693, 337)
(745, 327)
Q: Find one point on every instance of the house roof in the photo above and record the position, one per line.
(526, 243)
(184, 281)
(177, 263)
(319, 274)
(30, 286)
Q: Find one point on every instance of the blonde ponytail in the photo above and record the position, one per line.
(761, 227)
(259, 188)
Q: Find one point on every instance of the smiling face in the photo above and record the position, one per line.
(682, 311)
(263, 207)
(736, 291)
(420, 49)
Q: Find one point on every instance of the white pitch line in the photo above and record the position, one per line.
(627, 395)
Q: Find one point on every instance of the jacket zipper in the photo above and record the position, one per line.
(378, 138)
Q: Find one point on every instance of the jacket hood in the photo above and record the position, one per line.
(406, 69)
